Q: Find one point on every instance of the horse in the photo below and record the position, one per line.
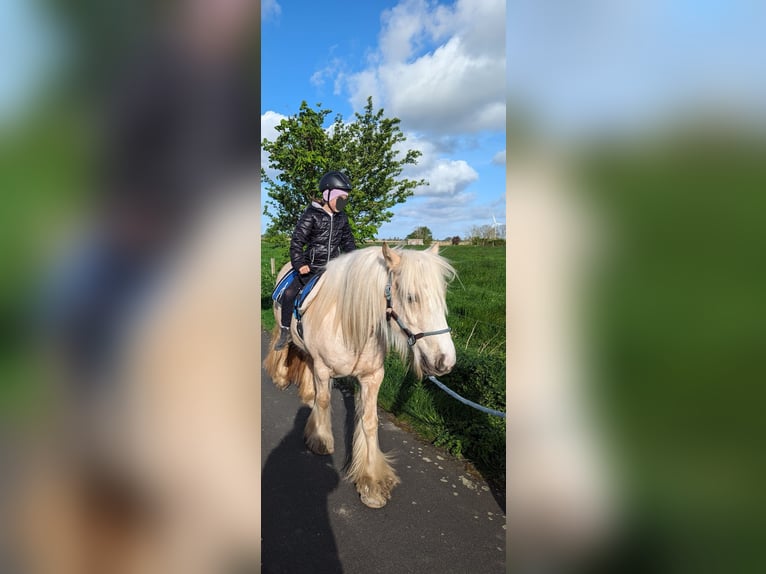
(162, 474)
(366, 303)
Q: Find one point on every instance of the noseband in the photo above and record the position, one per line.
(390, 313)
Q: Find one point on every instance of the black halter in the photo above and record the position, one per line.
(411, 337)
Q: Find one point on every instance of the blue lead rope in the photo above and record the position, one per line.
(454, 395)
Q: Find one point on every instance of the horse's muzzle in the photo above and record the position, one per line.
(441, 366)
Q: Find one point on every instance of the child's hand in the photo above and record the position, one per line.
(304, 269)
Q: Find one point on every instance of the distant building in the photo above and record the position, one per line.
(415, 242)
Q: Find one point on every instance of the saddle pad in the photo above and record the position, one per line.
(283, 284)
(304, 298)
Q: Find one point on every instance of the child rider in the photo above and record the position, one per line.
(322, 233)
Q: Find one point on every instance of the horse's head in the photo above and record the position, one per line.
(418, 288)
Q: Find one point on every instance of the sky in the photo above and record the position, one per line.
(448, 69)
(438, 67)
(29, 50)
(591, 65)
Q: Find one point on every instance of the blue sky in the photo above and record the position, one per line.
(439, 67)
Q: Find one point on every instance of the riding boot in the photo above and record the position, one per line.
(284, 338)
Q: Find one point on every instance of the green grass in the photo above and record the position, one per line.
(476, 302)
(43, 172)
(281, 256)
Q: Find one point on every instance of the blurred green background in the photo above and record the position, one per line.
(677, 325)
(676, 318)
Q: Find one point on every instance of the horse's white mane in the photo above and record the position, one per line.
(354, 291)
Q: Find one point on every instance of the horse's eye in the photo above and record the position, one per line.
(412, 299)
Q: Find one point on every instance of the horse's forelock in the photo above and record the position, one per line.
(426, 275)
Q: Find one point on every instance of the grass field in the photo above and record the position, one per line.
(43, 177)
(476, 302)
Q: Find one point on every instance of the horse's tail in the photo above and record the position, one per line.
(275, 363)
(290, 366)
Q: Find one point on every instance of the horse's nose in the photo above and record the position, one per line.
(444, 364)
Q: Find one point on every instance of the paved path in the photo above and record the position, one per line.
(439, 519)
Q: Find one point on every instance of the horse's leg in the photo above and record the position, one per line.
(318, 432)
(370, 469)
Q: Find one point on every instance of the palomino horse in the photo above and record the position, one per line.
(347, 331)
(165, 472)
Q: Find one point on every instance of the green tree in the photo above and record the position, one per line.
(423, 233)
(299, 154)
(365, 149)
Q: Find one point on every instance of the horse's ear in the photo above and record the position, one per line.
(392, 257)
(434, 248)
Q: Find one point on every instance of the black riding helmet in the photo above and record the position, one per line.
(334, 180)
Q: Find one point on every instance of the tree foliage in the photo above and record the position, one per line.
(423, 233)
(487, 234)
(366, 149)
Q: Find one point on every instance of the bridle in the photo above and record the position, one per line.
(412, 338)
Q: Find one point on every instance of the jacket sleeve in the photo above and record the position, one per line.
(298, 257)
(347, 239)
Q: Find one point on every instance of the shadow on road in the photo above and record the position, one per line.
(346, 388)
(297, 536)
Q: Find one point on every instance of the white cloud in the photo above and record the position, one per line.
(481, 24)
(446, 177)
(439, 69)
(499, 158)
(332, 71)
(460, 208)
(269, 122)
(363, 85)
(446, 91)
(435, 209)
(269, 9)
(406, 27)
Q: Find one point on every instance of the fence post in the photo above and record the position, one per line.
(272, 266)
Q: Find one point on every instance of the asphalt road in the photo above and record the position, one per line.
(439, 519)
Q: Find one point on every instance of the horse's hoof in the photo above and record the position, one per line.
(372, 496)
(373, 502)
(322, 449)
(318, 446)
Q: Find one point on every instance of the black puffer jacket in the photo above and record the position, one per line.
(319, 237)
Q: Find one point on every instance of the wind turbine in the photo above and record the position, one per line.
(494, 227)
